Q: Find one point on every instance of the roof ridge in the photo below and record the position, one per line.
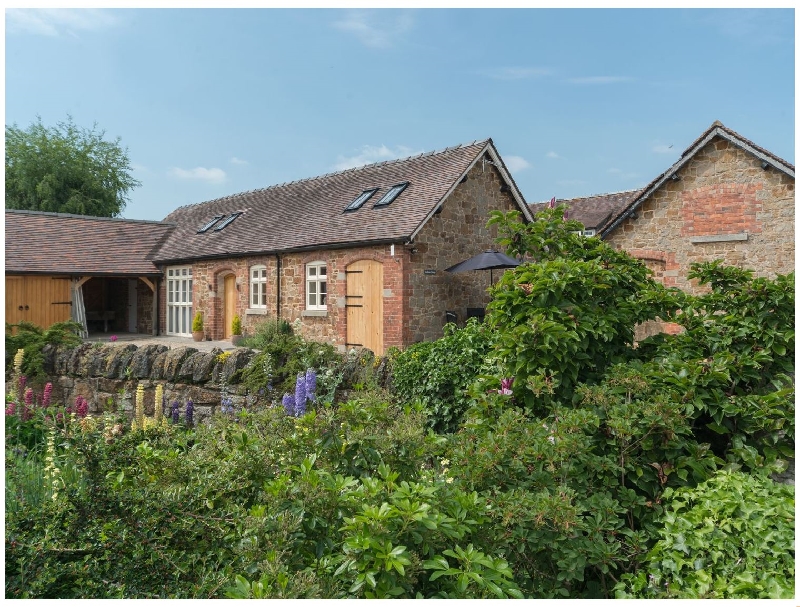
(76, 216)
(591, 196)
(334, 173)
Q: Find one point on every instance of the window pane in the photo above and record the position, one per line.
(190, 290)
(323, 287)
(323, 299)
(264, 294)
(264, 273)
(312, 270)
(312, 287)
(323, 270)
(312, 300)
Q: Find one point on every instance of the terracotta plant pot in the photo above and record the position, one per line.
(198, 335)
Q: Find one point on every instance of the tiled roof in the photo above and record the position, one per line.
(58, 243)
(596, 211)
(309, 213)
(717, 129)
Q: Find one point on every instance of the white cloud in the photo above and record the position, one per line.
(516, 163)
(235, 160)
(364, 26)
(599, 80)
(213, 175)
(662, 148)
(57, 21)
(515, 73)
(552, 155)
(370, 154)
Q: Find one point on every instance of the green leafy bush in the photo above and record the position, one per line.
(730, 537)
(437, 374)
(33, 339)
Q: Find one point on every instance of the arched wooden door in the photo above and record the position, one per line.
(365, 305)
(228, 305)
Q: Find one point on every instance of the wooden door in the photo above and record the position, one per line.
(42, 300)
(228, 305)
(364, 304)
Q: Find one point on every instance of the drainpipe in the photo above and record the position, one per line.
(278, 289)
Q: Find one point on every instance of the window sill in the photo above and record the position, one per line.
(262, 311)
(314, 313)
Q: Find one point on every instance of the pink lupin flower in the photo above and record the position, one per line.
(81, 406)
(28, 397)
(48, 390)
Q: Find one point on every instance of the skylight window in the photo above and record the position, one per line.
(210, 224)
(227, 221)
(389, 196)
(362, 198)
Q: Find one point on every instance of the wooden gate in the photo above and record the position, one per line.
(42, 300)
(364, 303)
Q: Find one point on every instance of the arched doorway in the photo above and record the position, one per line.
(228, 305)
(364, 301)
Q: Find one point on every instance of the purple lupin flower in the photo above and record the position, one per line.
(288, 404)
(28, 397)
(22, 380)
(176, 412)
(300, 395)
(190, 414)
(311, 384)
(11, 408)
(81, 406)
(48, 390)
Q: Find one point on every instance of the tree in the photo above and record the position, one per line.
(66, 169)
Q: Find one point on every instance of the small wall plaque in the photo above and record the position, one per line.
(430, 272)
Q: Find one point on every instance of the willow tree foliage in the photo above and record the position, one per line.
(66, 169)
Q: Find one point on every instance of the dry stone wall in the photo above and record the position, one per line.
(108, 376)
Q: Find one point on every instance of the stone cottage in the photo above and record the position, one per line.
(725, 198)
(356, 257)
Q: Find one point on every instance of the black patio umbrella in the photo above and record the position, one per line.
(488, 260)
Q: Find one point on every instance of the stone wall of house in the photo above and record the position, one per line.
(144, 308)
(723, 206)
(456, 233)
(320, 325)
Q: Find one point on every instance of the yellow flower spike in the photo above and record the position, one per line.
(158, 412)
(139, 410)
(18, 360)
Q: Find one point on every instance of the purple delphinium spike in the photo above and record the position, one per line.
(48, 390)
(190, 414)
(288, 404)
(176, 412)
(311, 384)
(300, 393)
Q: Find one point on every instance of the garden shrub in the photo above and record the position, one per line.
(32, 339)
(730, 537)
(437, 374)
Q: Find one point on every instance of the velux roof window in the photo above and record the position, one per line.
(389, 196)
(227, 221)
(210, 224)
(361, 199)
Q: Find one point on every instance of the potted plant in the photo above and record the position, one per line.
(236, 330)
(197, 327)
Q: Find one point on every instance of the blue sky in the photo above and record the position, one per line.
(211, 102)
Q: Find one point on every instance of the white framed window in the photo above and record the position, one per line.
(258, 286)
(316, 286)
(179, 300)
